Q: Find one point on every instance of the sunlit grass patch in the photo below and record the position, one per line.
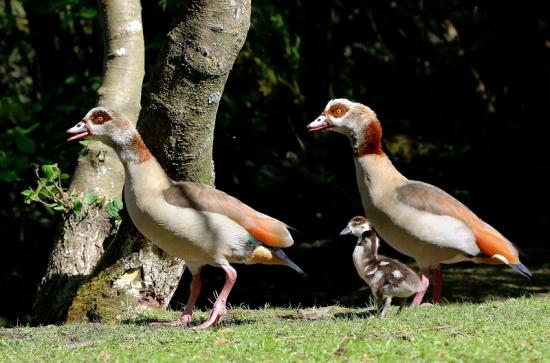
(499, 330)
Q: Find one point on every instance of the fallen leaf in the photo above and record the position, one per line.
(200, 357)
(316, 314)
(221, 341)
(340, 352)
(14, 335)
(226, 330)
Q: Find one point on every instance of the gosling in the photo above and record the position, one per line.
(386, 277)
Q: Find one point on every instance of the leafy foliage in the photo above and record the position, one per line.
(50, 193)
(49, 190)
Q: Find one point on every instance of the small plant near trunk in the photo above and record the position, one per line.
(50, 192)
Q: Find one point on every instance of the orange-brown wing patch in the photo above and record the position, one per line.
(270, 231)
(428, 198)
(265, 229)
(492, 243)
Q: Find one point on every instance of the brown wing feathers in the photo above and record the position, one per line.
(202, 197)
(428, 198)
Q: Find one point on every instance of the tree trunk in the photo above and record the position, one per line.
(182, 100)
(81, 237)
(177, 124)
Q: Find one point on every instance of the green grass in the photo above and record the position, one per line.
(511, 330)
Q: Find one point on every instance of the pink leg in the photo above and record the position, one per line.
(185, 319)
(194, 291)
(420, 295)
(438, 284)
(219, 309)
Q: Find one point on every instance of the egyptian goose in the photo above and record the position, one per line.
(200, 224)
(386, 277)
(417, 219)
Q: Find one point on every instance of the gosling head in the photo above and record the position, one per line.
(360, 227)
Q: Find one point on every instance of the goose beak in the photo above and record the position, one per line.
(320, 123)
(78, 131)
(346, 231)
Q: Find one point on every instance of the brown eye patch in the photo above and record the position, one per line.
(337, 110)
(357, 221)
(99, 117)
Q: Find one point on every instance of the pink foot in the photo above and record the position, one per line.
(184, 321)
(186, 316)
(420, 295)
(219, 309)
(215, 317)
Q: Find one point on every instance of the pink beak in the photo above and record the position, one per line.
(319, 124)
(78, 131)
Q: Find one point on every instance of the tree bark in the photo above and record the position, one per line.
(180, 106)
(177, 124)
(81, 237)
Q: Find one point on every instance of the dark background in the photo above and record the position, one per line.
(461, 107)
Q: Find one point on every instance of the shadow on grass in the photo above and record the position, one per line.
(236, 322)
(474, 284)
(329, 312)
(481, 283)
(150, 321)
(352, 315)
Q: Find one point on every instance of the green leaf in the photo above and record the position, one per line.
(25, 144)
(27, 192)
(84, 142)
(8, 175)
(58, 207)
(77, 205)
(5, 160)
(35, 193)
(51, 189)
(90, 198)
(113, 207)
(117, 202)
(30, 128)
(70, 80)
(88, 13)
(49, 171)
(95, 82)
(44, 194)
(52, 205)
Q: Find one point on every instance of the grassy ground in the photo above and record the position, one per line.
(489, 314)
(511, 330)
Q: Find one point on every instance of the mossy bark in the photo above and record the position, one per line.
(177, 124)
(81, 237)
(133, 273)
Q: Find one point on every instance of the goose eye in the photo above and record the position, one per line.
(338, 111)
(99, 118)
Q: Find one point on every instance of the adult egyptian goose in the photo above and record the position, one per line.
(417, 219)
(196, 222)
(386, 277)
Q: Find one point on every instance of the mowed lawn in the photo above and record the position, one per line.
(509, 330)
